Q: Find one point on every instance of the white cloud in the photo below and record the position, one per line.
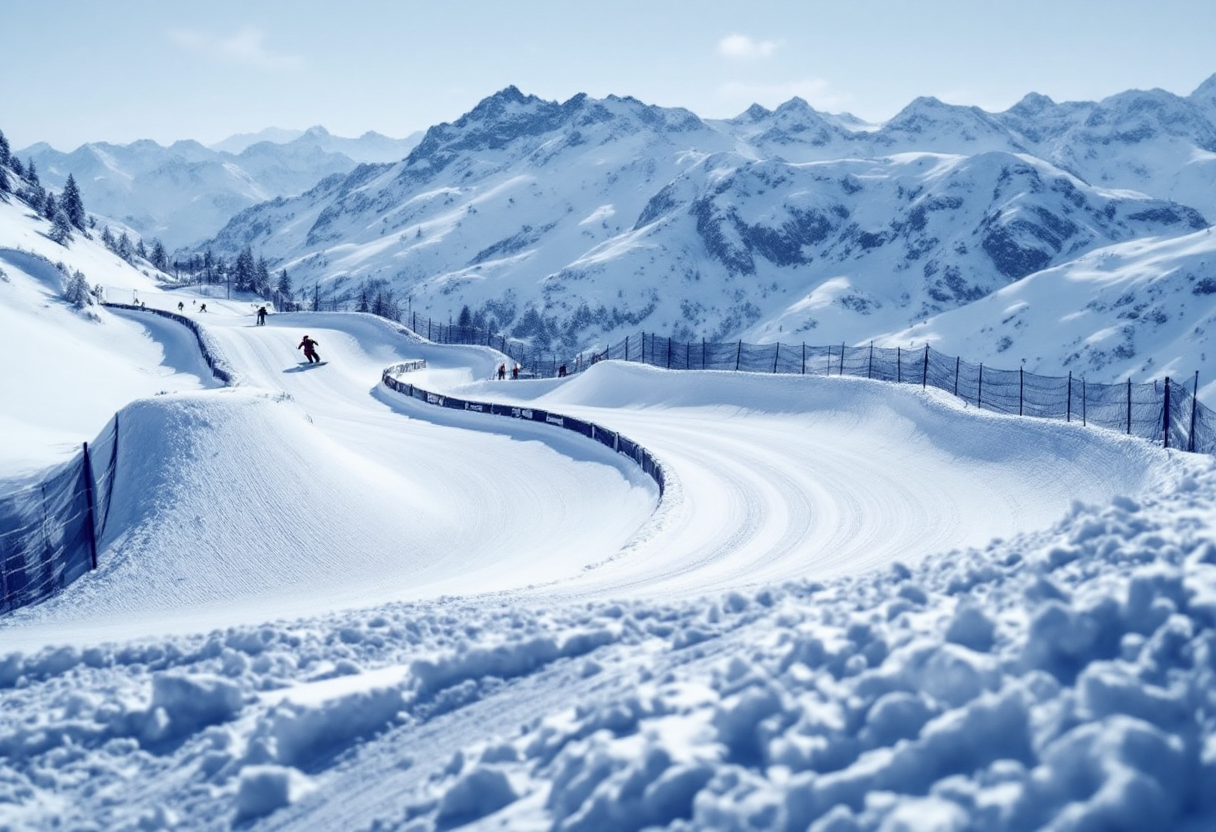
(244, 47)
(814, 91)
(745, 48)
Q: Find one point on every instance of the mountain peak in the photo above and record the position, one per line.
(1032, 103)
(1205, 93)
(756, 113)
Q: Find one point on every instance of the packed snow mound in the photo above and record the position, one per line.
(240, 505)
(1060, 680)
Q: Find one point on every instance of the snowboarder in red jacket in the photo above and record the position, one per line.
(310, 350)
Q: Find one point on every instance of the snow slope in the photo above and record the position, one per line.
(321, 605)
(1137, 309)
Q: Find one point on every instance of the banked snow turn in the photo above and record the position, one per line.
(305, 490)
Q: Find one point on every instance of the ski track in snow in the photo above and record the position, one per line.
(773, 479)
(487, 623)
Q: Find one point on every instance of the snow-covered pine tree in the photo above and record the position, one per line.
(49, 207)
(284, 285)
(159, 257)
(76, 289)
(123, 247)
(72, 204)
(5, 151)
(61, 229)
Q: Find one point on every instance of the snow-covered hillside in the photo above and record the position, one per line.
(1141, 309)
(578, 222)
(323, 605)
(103, 360)
(185, 192)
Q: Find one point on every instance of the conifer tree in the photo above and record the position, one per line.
(49, 207)
(31, 173)
(243, 271)
(107, 239)
(5, 187)
(61, 229)
(284, 285)
(76, 289)
(5, 152)
(159, 256)
(261, 277)
(72, 204)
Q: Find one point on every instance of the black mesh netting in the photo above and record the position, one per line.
(1161, 412)
(49, 528)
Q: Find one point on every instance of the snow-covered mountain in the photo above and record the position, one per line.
(1140, 309)
(575, 222)
(186, 192)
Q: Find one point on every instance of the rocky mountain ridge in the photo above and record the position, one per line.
(186, 192)
(569, 223)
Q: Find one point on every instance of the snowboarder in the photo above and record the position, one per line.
(261, 316)
(515, 371)
(502, 371)
(310, 350)
(561, 371)
(202, 307)
(180, 306)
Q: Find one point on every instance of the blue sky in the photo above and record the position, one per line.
(73, 71)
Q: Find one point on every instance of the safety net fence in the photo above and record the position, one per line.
(49, 528)
(1166, 410)
(50, 524)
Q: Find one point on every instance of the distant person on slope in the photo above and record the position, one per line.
(310, 350)
(502, 371)
(261, 316)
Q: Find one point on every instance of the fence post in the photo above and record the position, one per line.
(924, 379)
(1084, 404)
(1129, 404)
(688, 355)
(957, 359)
(776, 353)
(1021, 375)
(738, 354)
(899, 365)
(1190, 445)
(643, 347)
(702, 353)
(90, 515)
(804, 358)
(428, 329)
(1166, 419)
(669, 353)
(870, 365)
(842, 359)
(1068, 417)
(979, 393)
